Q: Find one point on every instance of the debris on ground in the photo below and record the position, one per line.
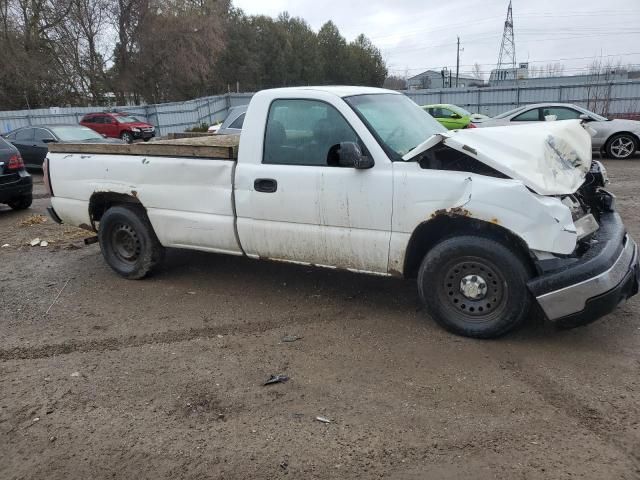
(290, 338)
(33, 220)
(323, 419)
(34, 242)
(5, 245)
(44, 243)
(276, 379)
(75, 374)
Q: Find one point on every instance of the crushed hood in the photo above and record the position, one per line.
(551, 158)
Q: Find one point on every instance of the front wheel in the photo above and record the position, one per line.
(475, 286)
(127, 137)
(621, 146)
(128, 243)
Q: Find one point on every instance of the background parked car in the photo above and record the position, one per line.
(452, 116)
(234, 121)
(617, 138)
(16, 186)
(32, 141)
(119, 125)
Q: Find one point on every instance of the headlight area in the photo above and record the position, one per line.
(590, 206)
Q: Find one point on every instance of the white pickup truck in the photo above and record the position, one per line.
(493, 223)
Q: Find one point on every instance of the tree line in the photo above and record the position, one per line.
(101, 52)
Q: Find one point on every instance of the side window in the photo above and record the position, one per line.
(437, 113)
(446, 113)
(528, 116)
(11, 136)
(563, 113)
(89, 120)
(304, 132)
(41, 134)
(237, 123)
(25, 134)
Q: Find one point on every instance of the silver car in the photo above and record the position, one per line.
(232, 125)
(617, 138)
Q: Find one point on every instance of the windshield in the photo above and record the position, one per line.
(126, 119)
(396, 121)
(599, 118)
(509, 112)
(459, 110)
(75, 134)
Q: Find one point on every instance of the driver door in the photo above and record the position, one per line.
(298, 205)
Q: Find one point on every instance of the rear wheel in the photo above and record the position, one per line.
(474, 286)
(21, 203)
(128, 243)
(622, 146)
(126, 137)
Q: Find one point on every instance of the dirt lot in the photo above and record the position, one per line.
(162, 378)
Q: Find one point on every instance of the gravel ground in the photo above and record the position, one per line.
(162, 378)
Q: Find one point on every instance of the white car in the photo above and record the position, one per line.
(617, 138)
(491, 222)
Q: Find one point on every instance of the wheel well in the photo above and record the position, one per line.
(631, 134)
(430, 233)
(100, 202)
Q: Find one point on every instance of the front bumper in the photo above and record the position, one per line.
(143, 135)
(592, 286)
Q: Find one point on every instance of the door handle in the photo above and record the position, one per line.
(265, 185)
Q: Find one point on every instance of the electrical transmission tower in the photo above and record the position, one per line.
(507, 56)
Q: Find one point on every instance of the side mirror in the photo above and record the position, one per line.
(550, 118)
(350, 155)
(585, 118)
(104, 136)
(455, 115)
(49, 140)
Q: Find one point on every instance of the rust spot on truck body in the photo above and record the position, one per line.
(450, 212)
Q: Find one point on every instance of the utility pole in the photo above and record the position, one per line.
(458, 63)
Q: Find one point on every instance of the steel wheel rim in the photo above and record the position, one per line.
(622, 147)
(488, 304)
(125, 243)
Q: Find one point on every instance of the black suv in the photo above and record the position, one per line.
(16, 185)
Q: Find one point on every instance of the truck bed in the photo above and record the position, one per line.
(220, 147)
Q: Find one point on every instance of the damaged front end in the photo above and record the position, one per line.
(586, 262)
(603, 270)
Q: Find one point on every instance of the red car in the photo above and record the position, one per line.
(119, 125)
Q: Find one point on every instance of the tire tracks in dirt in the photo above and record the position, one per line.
(168, 337)
(586, 416)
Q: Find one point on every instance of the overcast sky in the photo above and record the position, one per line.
(416, 35)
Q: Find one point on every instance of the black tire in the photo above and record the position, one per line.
(475, 286)
(128, 243)
(21, 203)
(622, 146)
(126, 137)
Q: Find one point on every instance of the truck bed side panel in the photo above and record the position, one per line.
(188, 200)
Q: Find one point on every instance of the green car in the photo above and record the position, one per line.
(451, 116)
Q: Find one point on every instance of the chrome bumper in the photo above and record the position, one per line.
(621, 279)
